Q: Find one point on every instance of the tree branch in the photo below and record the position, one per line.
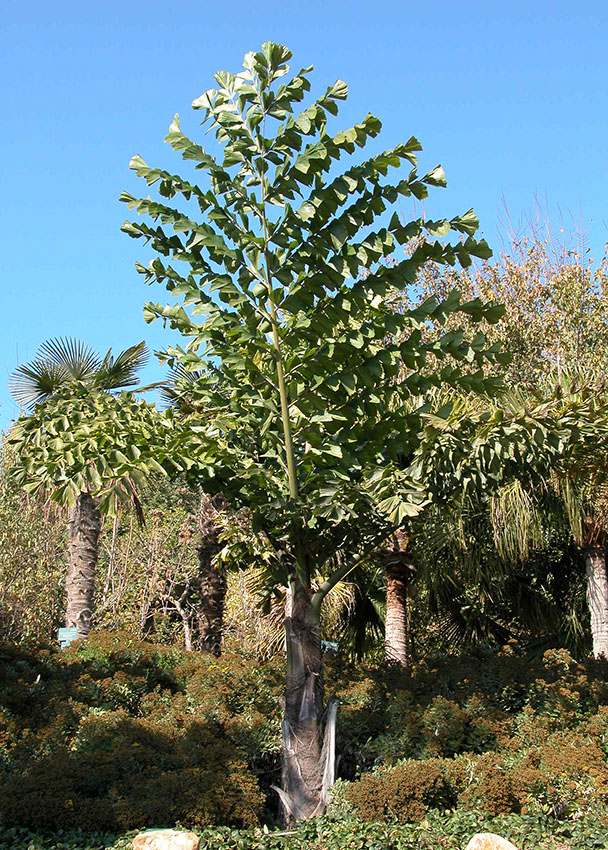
(349, 566)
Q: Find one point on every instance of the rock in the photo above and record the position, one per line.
(489, 841)
(166, 839)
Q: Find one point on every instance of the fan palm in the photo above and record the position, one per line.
(580, 483)
(478, 591)
(63, 361)
(58, 364)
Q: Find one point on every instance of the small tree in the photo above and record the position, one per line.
(472, 451)
(556, 307)
(307, 412)
(91, 452)
(62, 364)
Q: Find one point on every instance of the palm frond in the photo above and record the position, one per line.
(57, 363)
(122, 371)
(65, 360)
(76, 357)
(177, 391)
(359, 626)
(183, 386)
(252, 625)
(34, 382)
(516, 522)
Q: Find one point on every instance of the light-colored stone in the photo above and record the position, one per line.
(166, 839)
(489, 841)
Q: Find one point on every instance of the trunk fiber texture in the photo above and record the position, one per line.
(210, 584)
(84, 530)
(597, 596)
(308, 733)
(399, 575)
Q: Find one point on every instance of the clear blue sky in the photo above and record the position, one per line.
(510, 97)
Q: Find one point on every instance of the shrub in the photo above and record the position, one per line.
(468, 704)
(445, 726)
(119, 734)
(403, 793)
(119, 772)
(486, 785)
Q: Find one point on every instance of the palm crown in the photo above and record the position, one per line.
(62, 361)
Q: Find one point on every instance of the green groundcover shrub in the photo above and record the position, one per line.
(438, 830)
(117, 734)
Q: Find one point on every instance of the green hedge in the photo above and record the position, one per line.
(117, 734)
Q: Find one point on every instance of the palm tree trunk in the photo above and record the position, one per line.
(84, 530)
(597, 597)
(210, 586)
(397, 622)
(399, 574)
(210, 583)
(303, 766)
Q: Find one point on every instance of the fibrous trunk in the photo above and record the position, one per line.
(210, 583)
(209, 617)
(84, 530)
(597, 596)
(397, 623)
(308, 731)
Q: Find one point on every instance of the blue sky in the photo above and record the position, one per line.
(509, 97)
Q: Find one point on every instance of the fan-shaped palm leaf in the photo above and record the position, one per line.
(65, 360)
(116, 373)
(58, 362)
(178, 390)
(76, 357)
(34, 382)
(182, 389)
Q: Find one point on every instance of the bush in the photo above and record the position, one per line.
(119, 734)
(496, 733)
(404, 793)
(564, 774)
(484, 783)
(122, 773)
(468, 704)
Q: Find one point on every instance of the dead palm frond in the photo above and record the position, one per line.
(353, 615)
(516, 521)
